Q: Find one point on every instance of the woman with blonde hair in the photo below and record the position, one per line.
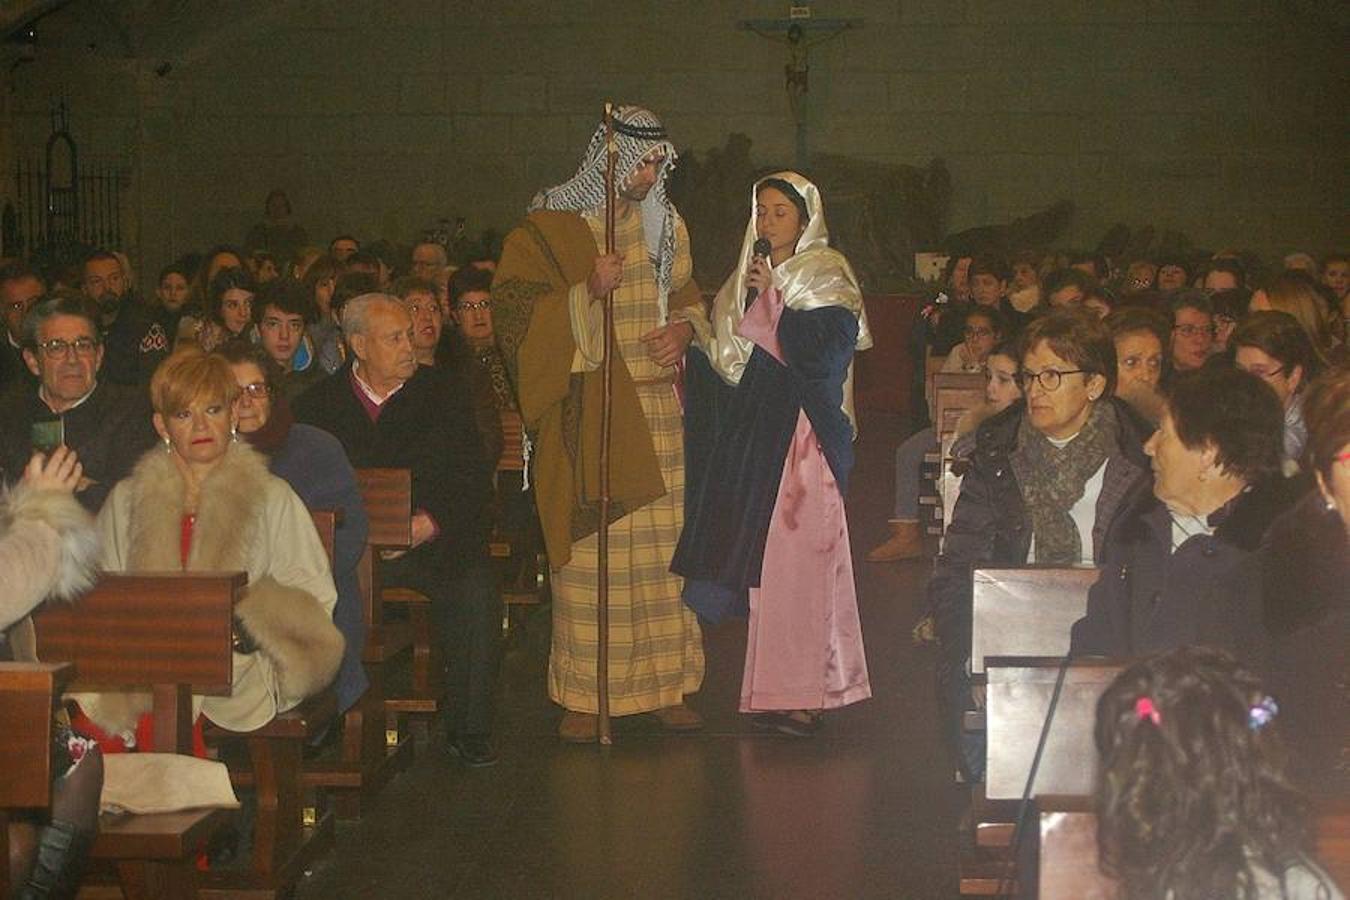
(1296, 293)
(206, 502)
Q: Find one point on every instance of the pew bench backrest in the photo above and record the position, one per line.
(1026, 611)
(1017, 699)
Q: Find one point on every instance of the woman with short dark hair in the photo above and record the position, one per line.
(1171, 571)
(314, 464)
(1047, 479)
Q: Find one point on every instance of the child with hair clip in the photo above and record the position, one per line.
(1193, 799)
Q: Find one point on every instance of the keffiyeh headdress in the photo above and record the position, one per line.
(637, 133)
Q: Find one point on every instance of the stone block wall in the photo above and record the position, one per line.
(1220, 118)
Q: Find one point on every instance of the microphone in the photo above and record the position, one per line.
(761, 249)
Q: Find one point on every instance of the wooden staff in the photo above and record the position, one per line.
(606, 416)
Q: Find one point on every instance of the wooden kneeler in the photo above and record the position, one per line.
(170, 633)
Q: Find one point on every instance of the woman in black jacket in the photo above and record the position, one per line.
(1172, 572)
(1047, 478)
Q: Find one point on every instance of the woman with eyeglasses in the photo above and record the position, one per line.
(1275, 348)
(1046, 481)
(983, 329)
(314, 464)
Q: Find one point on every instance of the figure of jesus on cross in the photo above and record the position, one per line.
(800, 32)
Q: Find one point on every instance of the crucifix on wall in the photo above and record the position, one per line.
(800, 31)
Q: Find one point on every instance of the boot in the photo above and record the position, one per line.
(62, 852)
(905, 542)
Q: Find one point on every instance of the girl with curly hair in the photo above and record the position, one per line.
(1194, 801)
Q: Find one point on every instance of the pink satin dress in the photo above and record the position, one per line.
(805, 646)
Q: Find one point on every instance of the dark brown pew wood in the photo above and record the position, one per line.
(289, 833)
(170, 633)
(28, 694)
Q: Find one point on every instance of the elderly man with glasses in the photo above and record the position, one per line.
(108, 425)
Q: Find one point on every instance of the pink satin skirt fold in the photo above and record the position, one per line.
(805, 647)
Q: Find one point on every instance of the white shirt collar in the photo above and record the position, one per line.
(368, 390)
(42, 395)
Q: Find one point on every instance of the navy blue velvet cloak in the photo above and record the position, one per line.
(736, 442)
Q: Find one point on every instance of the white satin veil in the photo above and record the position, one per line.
(814, 277)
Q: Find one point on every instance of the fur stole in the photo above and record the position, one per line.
(49, 549)
(292, 629)
(21, 510)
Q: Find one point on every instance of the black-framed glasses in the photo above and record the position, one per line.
(57, 348)
(1048, 379)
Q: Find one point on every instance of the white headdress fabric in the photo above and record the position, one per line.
(815, 276)
(637, 132)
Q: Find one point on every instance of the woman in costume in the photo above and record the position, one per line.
(765, 532)
(206, 502)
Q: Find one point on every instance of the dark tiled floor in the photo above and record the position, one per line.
(865, 809)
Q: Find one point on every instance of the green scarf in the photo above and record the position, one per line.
(1052, 480)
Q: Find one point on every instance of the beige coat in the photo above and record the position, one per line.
(250, 520)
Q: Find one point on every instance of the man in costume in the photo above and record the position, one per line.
(548, 310)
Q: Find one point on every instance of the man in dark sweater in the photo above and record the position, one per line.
(108, 426)
(389, 412)
(135, 337)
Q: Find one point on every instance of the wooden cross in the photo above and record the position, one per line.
(800, 31)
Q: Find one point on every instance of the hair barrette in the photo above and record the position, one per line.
(1260, 715)
(1144, 709)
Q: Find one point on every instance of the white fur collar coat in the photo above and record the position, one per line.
(250, 520)
(48, 549)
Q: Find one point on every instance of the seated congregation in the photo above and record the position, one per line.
(339, 425)
(1172, 475)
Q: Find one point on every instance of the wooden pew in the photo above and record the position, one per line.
(365, 762)
(1026, 611)
(531, 587)
(954, 393)
(28, 695)
(1064, 848)
(1017, 697)
(387, 494)
(290, 831)
(170, 632)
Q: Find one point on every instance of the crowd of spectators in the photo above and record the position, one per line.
(1181, 425)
